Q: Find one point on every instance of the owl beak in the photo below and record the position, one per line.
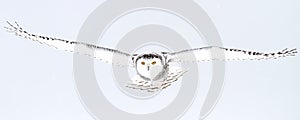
(148, 67)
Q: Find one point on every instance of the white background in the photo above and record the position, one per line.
(36, 82)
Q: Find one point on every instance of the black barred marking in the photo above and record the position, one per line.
(149, 56)
(286, 52)
(161, 53)
(249, 52)
(90, 46)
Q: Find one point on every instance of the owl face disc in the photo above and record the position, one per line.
(150, 66)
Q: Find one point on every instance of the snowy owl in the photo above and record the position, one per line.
(154, 70)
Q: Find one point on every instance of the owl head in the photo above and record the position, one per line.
(149, 66)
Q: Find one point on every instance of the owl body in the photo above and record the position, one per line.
(171, 75)
(154, 71)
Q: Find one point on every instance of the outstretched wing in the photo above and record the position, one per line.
(219, 53)
(108, 55)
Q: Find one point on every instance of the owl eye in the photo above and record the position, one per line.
(143, 63)
(153, 63)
